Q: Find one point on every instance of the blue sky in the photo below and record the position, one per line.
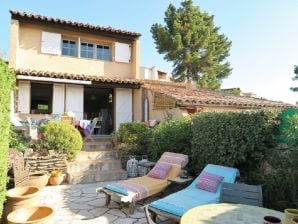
(264, 34)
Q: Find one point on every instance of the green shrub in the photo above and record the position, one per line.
(239, 139)
(7, 84)
(61, 137)
(173, 135)
(135, 138)
(18, 140)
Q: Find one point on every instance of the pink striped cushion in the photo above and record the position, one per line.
(209, 182)
(160, 170)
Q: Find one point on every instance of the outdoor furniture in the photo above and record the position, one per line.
(94, 126)
(175, 205)
(242, 194)
(139, 188)
(228, 213)
(32, 129)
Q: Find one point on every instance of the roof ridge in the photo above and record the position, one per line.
(72, 23)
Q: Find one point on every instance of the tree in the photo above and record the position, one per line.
(295, 89)
(191, 40)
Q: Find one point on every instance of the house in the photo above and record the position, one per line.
(94, 71)
(66, 66)
(154, 74)
(164, 100)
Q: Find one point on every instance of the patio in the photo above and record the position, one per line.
(81, 204)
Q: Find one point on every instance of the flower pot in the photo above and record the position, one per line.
(32, 215)
(290, 213)
(39, 179)
(20, 197)
(55, 180)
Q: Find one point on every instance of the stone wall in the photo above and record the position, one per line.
(46, 163)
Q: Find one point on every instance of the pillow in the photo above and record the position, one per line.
(209, 182)
(160, 170)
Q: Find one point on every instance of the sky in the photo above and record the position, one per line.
(264, 34)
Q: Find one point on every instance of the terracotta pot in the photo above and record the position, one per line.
(39, 179)
(32, 215)
(55, 180)
(20, 197)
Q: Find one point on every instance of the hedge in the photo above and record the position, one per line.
(134, 138)
(238, 139)
(173, 136)
(7, 84)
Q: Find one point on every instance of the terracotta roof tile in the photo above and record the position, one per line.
(199, 97)
(77, 77)
(72, 24)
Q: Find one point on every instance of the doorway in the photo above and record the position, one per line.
(98, 102)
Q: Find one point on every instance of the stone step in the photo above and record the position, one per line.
(93, 165)
(95, 155)
(97, 145)
(95, 176)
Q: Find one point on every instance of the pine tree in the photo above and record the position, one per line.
(295, 89)
(190, 39)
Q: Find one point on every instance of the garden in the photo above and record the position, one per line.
(262, 144)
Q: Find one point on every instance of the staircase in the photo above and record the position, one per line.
(97, 162)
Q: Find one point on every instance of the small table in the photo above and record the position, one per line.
(223, 213)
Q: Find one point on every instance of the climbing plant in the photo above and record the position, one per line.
(7, 84)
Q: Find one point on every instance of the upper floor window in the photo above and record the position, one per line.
(87, 50)
(103, 53)
(69, 47)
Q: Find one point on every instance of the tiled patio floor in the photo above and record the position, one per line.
(81, 204)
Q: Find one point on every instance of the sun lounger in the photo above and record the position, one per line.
(139, 188)
(175, 205)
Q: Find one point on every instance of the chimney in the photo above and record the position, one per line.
(191, 84)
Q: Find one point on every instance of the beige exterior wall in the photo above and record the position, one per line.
(137, 105)
(162, 115)
(29, 56)
(14, 42)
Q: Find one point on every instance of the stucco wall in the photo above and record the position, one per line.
(161, 115)
(29, 54)
(137, 105)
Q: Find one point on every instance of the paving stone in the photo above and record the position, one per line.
(109, 217)
(98, 211)
(80, 206)
(117, 212)
(96, 202)
(85, 215)
(88, 190)
(124, 221)
(82, 200)
(141, 221)
(137, 214)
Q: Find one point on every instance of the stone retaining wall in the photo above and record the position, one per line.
(47, 163)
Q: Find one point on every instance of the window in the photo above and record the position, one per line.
(41, 98)
(87, 50)
(103, 53)
(69, 47)
(51, 43)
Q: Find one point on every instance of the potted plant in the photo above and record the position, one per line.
(56, 177)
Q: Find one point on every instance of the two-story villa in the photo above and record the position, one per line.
(68, 66)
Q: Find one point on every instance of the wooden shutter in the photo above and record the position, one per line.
(51, 43)
(24, 97)
(58, 98)
(123, 106)
(122, 52)
(75, 100)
